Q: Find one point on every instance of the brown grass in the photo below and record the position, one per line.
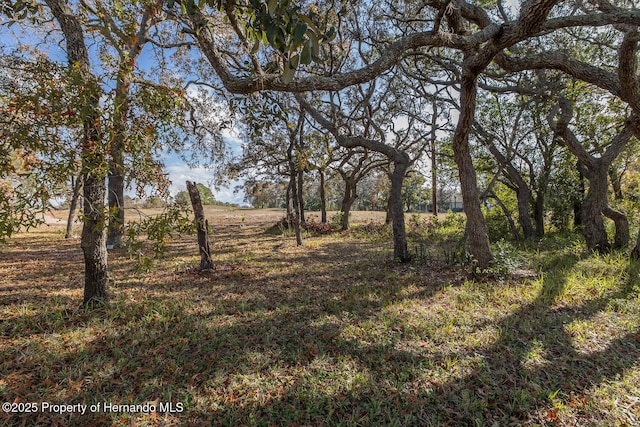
(331, 333)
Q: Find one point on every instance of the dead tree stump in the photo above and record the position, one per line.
(206, 263)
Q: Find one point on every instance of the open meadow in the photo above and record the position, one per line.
(330, 333)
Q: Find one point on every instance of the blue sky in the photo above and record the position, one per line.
(179, 171)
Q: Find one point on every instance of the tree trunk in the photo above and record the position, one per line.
(206, 263)
(476, 229)
(116, 164)
(295, 218)
(400, 249)
(323, 199)
(578, 203)
(621, 239)
(616, 183)
(594, 204)
(538, 213)
(388, 219)
(349, 197)
(73, 205)
(116, 200)
(523, 195)
(118, 143)
(93, 240)
(301, 196)
(434, 180)
(635, 253)
(289, 213)
(94, 237)
(434, 161)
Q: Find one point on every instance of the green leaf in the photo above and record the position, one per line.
(170, 3)
(299, 31)
(271, 6)
(256, 47)
(305, 55)
(294, 61)
(315, 45)
(309, 22)
(271, 33)
(287, 75)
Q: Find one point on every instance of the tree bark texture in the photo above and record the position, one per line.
(206, 263)
(523, 195)
(295, 214)
(400, 248)
(635, 253)
(293, 188)
(93, 170)
(594, 203)
(349, 196)
(323, 198)
(73, 205)
(118, 142)
(434, 160)
(434, 180)
(301, 196)
(621, 238)
(596, 170)
(476, 229)
(538, 213)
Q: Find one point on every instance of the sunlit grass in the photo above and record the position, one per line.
(332, 333)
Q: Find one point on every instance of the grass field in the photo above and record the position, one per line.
(331, 333)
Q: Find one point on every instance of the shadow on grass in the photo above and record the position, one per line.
(309, 347)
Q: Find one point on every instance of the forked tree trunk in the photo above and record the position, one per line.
(596, 169)
(621, 239)
(93, 240)
(206, 263)
(350, 188)
(73, 205)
